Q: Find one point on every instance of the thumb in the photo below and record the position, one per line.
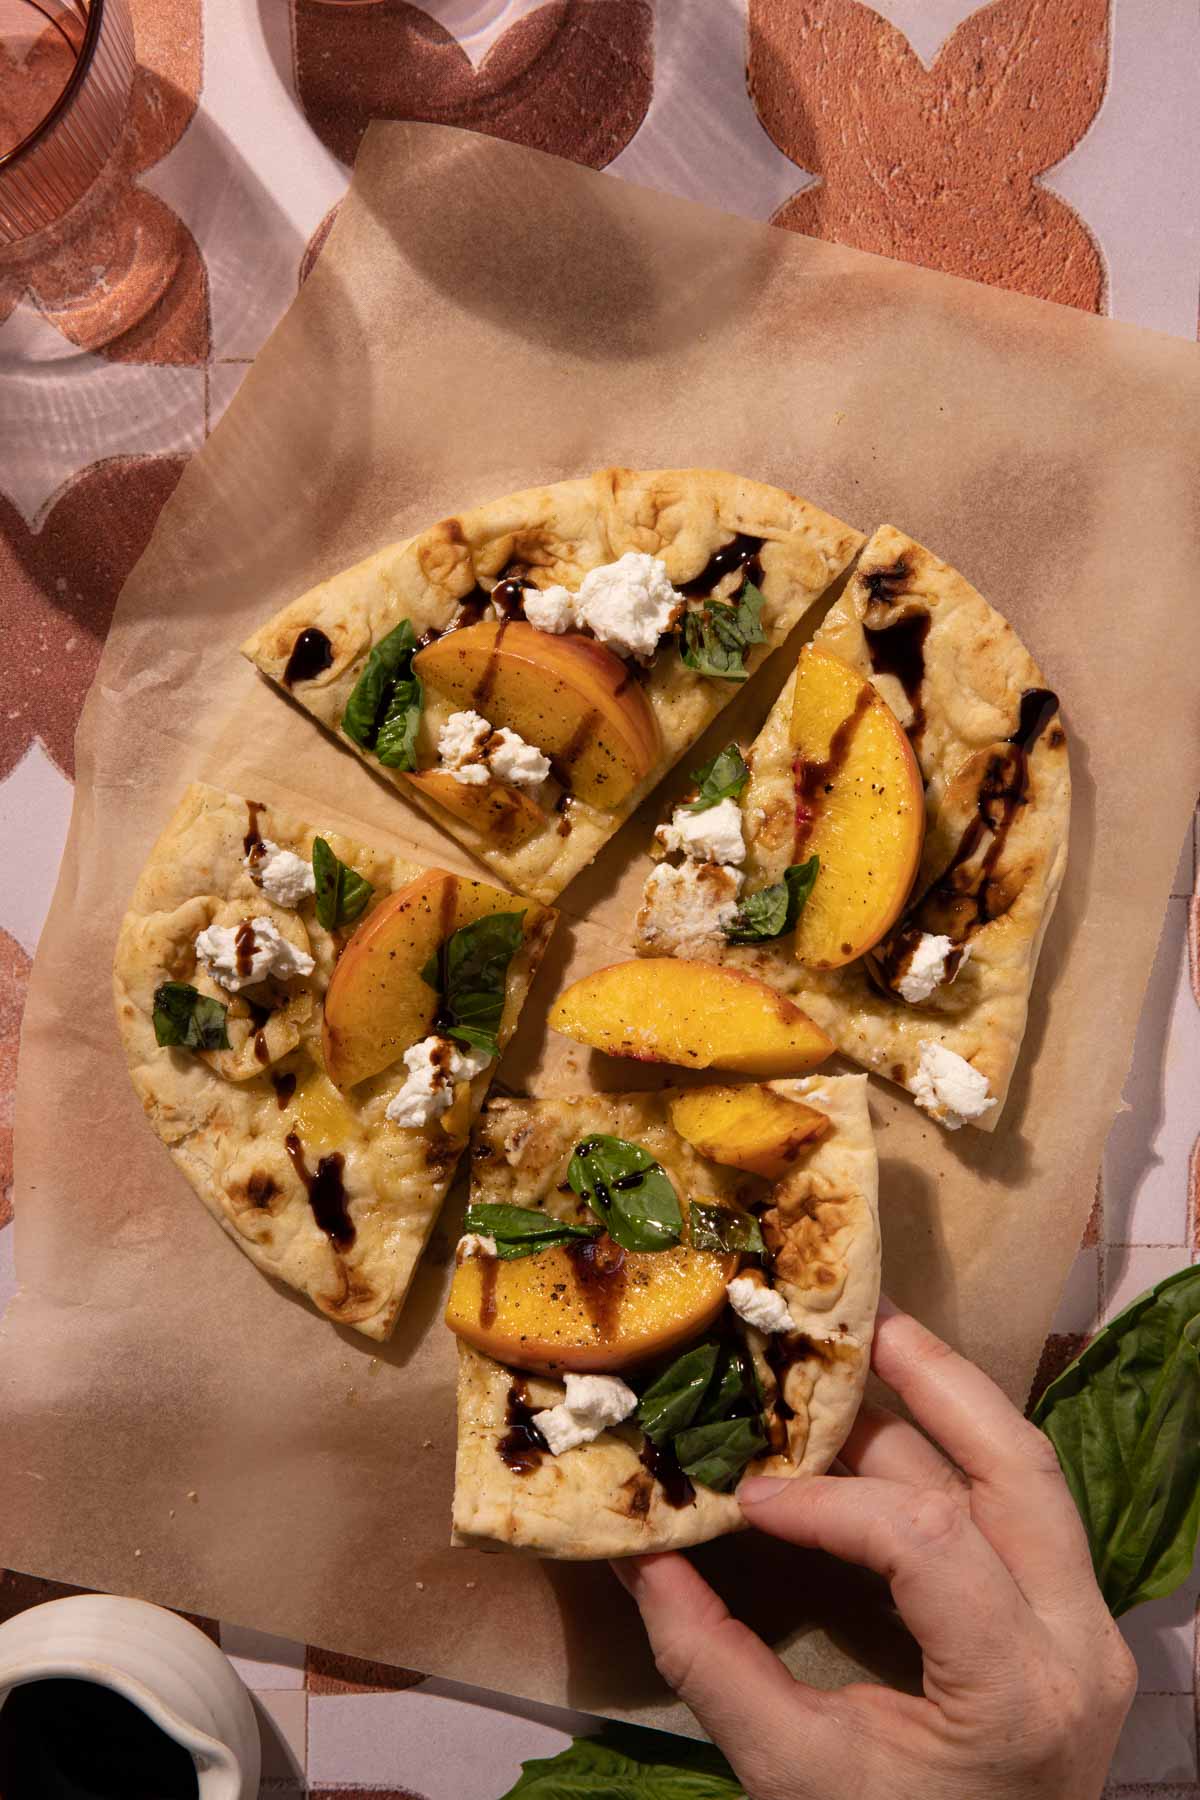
(770, 1726)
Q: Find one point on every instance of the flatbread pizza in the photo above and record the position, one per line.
(889, 850)
(311, 1023)
(626, 1391)
(529, 669)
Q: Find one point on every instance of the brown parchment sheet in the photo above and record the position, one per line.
(484, 317)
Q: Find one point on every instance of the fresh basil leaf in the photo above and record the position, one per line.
(721, 779)
(629, 1191)
(717, 636)
(673, 1399)
(774, 910)
(734, 1391)
(389, 664)
(522, 1230)
(342, 893)
(471, 972)
(1124, 1420)
(626, 1762)
(713, 1227)
(396, 744)
(715, 1455)
(185, 1019)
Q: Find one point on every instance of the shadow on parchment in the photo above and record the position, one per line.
(562, 239)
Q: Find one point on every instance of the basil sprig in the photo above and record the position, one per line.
(721, 779)
(1124, 1420)
(342, 893)
(707, 1408)
(715, 1455)
(522, 1230)
(717, 636)
(774, 910)
(470, 971)
(185, 1019)
(626, 1762)
(383, 712)
(723, 1228)
(629, 1191)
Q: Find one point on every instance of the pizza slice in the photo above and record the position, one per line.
(528, 670)
(311, 1024)
(888, 852)
(655, 1293)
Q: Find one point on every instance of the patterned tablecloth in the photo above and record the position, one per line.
(1046, 145)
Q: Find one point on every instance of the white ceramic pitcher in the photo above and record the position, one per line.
(166, 1667)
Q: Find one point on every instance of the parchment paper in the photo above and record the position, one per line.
(485, 317)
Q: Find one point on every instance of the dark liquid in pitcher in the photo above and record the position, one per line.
(75, 1740)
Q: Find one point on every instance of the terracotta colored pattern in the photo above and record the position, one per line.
(937, 166)
(14, 979)
(122, 275)
(58, 587)
(573, 78)
(30, 85)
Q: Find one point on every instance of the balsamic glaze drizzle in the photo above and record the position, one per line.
(523, 1446)
(326, 1193)
(312, 654)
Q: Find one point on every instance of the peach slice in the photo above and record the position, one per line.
(376, 1005)
(504, 815)
(747, 1127)
(592, 1306)
(666, 1009)
(320, 1116)
(568, 695)
(860, 807)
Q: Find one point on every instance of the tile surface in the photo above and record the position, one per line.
(1046, 145)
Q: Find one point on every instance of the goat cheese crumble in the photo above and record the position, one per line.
(434, 1065)
(948, 1087)
(284, 877)
(627, 604)
(460, 746)
(550, 609)
(238, 956)
(927, 967)
(682, 904)
(473, 751)
(590, 1405)
(513, 760)
(714, 835)
(760, 1306)
(475, 1243)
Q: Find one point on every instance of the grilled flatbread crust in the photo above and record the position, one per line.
(221, 1114)
(599, 1500)
(557, 533)
(968, 705)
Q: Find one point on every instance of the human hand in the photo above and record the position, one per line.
(1026, 1678)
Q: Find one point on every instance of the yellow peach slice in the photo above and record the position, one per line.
(860, 807)
(700, 1015)
(320, 1116)
(749, 1128)
(568, 695)
(504, 815)
(377, 1006)
(591, 1306)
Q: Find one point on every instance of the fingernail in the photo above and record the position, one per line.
(885, 1309)
(757, 1489)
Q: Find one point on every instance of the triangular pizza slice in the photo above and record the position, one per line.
(529, 669)
(654, 1294)
(311, 1024)
(889, 850)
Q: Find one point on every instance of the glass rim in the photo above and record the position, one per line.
(74, 81)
